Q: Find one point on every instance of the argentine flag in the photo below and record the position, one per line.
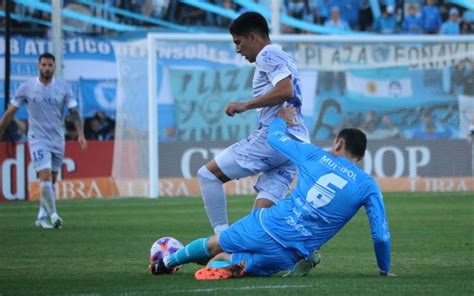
(379, 83)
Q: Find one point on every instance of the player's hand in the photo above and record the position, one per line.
(288, 113)
(234, 108)
(387, 274)
(83, 142)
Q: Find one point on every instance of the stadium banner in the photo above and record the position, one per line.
(200, 96)
(427, 166)
(414, 72)
(98, 95)
(17, 169)
(328, 57)
(387, 118)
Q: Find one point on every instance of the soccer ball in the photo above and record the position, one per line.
(164, 246)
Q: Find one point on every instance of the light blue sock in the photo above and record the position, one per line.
(195, 251)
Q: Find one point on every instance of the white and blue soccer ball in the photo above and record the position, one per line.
(163, 247)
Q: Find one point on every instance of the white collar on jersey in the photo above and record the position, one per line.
(41, 83)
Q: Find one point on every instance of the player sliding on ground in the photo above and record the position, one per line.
(329, 192)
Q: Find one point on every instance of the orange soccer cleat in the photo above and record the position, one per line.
(222, 273)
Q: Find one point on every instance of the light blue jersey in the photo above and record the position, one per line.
(273, 65)
(329, 192)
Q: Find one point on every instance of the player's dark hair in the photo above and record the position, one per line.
(356, 141)
(46, 55)
(249, 22)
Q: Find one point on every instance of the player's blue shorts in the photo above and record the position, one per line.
(249, 244)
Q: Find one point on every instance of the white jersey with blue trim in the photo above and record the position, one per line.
(273, 65)
(45, 105)
(329, 192)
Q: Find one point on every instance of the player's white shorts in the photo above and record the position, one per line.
(44, 158)
(253, 155)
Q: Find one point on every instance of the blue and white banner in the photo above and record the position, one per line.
(380, 83)
(98, 95)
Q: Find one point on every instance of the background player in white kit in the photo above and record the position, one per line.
(275, 82)
(46, 98)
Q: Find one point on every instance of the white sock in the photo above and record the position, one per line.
(213, 196)
(42, 210)
(48, 197)
(219, 228)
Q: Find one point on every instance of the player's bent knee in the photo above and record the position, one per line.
(205, 174)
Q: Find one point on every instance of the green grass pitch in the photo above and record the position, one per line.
(103, 250)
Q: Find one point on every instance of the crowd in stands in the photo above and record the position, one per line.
(397, 16)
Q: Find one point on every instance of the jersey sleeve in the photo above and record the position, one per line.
(295, 150)
(71, 101)
(274, 64)
(374, 207)
(20, 97)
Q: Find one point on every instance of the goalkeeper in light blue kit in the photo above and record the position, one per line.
(329, 192)
(45, 99)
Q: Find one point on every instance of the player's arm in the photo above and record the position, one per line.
(76, 119)
(295, 150)
(7, 118)
(282, 91)
(375, 210)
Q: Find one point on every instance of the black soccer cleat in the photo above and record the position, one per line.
(158, 267)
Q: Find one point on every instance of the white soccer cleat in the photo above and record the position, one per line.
(44, 223)
(303, 267)
(56, 221)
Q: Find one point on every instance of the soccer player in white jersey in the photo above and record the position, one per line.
(46, 98)
(275, 83)
(329, 192)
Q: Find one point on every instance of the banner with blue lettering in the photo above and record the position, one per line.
(201, 96)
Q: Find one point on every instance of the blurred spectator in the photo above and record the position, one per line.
(313, 14)
(224, 21)
(452, 25)
(430, 17)
(467, 22)
(428, 129)
(412, 22)
(336, 22)
(16, 131)
(297, 8)
(379, 128)
(190, 15)
(350, 12)
(468, 79)
(71, 132)
(99, 127)
(159, 8)
(365, 16)
(387, 22)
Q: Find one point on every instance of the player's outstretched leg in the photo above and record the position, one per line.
(195, 251)
(220, 273)
(303, 267)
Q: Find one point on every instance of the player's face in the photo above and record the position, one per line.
(46, 67)
(245, 45)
